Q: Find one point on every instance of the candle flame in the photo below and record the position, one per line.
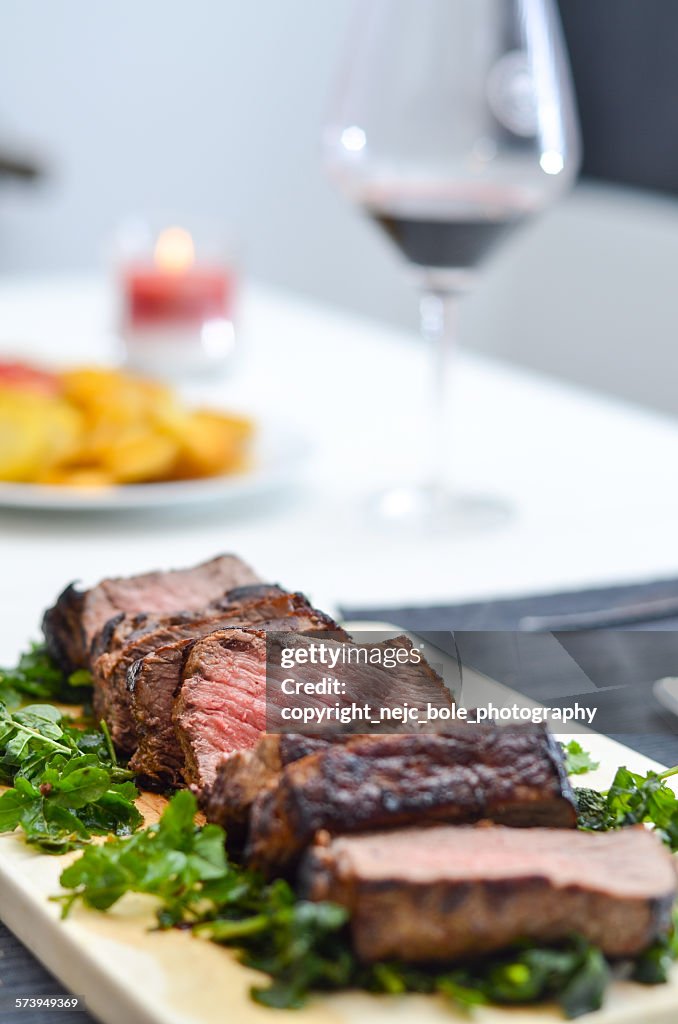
(174, 250)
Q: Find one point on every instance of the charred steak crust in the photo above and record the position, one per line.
(510, 775)
(62, 628)
(449, 892)
(72, 625)
(153, 683)
(241, 777)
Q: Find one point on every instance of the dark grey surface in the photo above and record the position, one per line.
(22, 975)
(507, 613)
(625, 74)
(635, 656)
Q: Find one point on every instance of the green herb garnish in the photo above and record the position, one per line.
(305, 947)
(632, 799)
(577, 760)
(67, 785)
(36, 675)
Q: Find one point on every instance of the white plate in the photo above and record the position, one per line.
(278, 456)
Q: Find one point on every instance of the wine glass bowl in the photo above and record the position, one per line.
(453, 123)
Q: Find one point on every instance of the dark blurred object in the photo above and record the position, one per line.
(623, 58)
(14, 165)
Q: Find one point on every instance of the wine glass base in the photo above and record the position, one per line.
(434, 510)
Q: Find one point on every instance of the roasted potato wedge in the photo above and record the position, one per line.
(100, 427)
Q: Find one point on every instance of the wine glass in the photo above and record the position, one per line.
(453, 123)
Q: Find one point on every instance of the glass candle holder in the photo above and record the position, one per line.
(176, 284)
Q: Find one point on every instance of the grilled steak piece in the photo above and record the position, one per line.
(383, 675)
(62, 627)
(241, 777)
(221, 706)
(124, 625)
(111, 696)
(455, 891)
(71, 626)
(155, 680)
(512, 775)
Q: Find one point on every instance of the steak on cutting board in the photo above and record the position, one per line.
(514, 775)
(222, 704)
(72, 624)
(455, 891)
(154, 681)
(110, 669)
(241, 777)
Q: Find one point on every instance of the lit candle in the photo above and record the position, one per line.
(177, 308)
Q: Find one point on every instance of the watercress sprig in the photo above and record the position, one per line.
(66, 783)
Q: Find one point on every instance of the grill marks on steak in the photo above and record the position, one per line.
(243, 776)
(450, 892)
(110, 670)
(156, 679)
(512, 775)
(72, 625)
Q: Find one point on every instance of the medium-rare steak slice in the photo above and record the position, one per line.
(111, 696)
(514, 775)
(222, 704)
(155, 680)
(456, 891)
(71, 626)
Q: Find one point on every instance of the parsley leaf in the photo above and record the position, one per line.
(36, 675)
(67, 785)
(577, 760)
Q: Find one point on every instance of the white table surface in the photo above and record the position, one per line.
(594, 483)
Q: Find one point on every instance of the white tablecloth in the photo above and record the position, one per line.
(594, 483)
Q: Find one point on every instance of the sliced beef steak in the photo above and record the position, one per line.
(512, 775)
(454, 891)
(72, 625)
(62, 627)
(383, 675)
(111, 696)
(125, 625)
(156, 679)
(222, 703)
(241, 777)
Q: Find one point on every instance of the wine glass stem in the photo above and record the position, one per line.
(439, 312)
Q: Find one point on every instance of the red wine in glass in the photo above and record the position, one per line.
(452, 124)
(443, 230)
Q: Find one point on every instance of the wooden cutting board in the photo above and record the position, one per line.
(128, 974)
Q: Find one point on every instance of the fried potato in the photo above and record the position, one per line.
(102, 427)
(77, 476)
(136, 457)
(36, 431)
(208, 445)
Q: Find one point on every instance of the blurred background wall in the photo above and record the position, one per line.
(213, 108)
